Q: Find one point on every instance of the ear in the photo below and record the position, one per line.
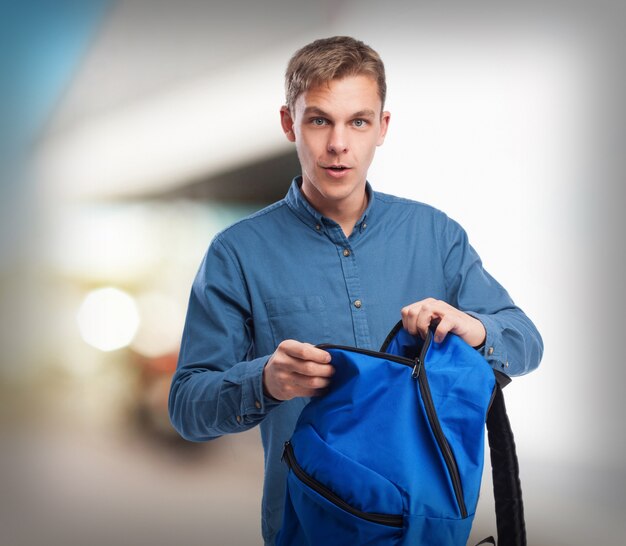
(384, 125)
(286, 122)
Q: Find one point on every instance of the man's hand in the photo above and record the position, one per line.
(297, 369)
(417, 317)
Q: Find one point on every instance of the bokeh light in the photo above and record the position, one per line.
(108, 319)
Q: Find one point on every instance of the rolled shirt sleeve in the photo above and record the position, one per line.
(512, 345)
(217, 389)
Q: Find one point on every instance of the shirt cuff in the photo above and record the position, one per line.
(254, 401)
(493, 348)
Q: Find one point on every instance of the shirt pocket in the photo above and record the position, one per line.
(303, 318)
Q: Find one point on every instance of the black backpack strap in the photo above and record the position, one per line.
(507, 489)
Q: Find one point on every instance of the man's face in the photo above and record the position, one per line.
(336, 128)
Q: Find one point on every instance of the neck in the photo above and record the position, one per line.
(347, 219)
(346, 212)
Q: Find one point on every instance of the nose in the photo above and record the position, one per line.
(338, 141)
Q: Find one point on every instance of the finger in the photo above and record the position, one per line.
(305, 351)
(302, 386)
(423, 321)
(313, 369)
(443, 328)
(409, 317)
(309, 383)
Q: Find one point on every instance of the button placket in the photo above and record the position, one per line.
(350, 269)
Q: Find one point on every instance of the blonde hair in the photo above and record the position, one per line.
(332, 58)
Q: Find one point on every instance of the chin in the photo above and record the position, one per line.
(337, 190)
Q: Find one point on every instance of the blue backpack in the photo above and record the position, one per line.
(393, 453)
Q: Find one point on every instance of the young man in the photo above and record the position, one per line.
(333, 262)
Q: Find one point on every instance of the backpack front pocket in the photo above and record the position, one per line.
(356, 504)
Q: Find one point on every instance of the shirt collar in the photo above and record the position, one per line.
(310, 216)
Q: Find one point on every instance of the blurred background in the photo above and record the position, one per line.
(133, 130)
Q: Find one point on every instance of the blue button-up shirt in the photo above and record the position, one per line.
(287, 272)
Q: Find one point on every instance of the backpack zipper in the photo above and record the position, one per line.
(419, 373)
(382, 519)
(444, 446)
(395, 358)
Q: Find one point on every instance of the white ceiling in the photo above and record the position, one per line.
(145, 47)
(172, 92)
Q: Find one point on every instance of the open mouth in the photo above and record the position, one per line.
(337, 168)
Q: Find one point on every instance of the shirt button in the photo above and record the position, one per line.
(318, 227)
(506, 364)
(239, 419)
(364, 225)
(358, 304)
(490, 351)
(257, 404)
(346, 252)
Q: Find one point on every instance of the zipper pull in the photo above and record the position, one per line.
(286, 446)
(416, 368)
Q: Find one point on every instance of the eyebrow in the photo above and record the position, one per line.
(364, 114)
(319, 112)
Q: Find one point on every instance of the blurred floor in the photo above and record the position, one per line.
(73, 487)
(564, 505)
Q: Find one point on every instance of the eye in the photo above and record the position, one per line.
(359, 123)
(319, 122)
